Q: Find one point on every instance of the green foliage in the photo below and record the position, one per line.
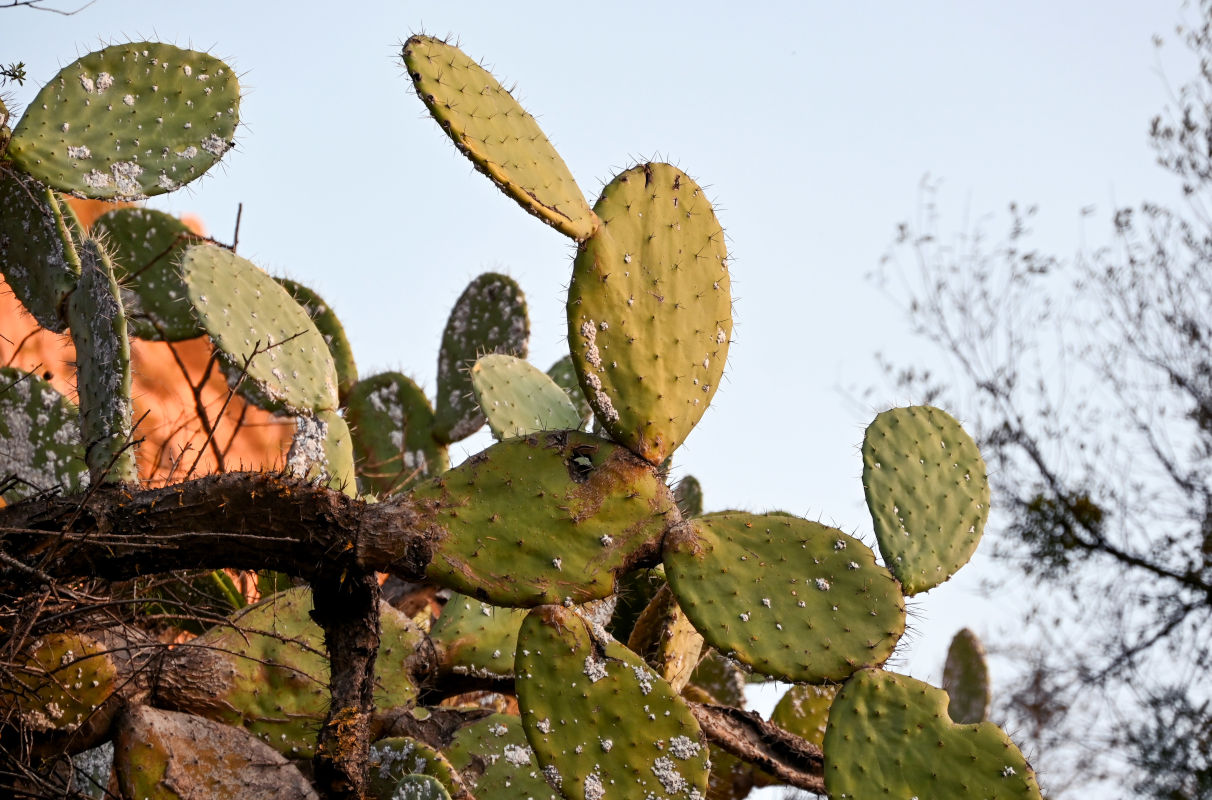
(549, 517)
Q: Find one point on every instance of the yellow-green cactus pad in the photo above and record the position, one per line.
(789, 597)
(130, 121)
(167, 755)
(476, 638)
(503, 141)
(890, 736)
(804, 711)
(249, 315)
(600, 721)
(496, 761)
(322, 449)
(966, 678)
(67, 682)
(517, 398)
(927, 491)
(650, 309)
(146, 247)
(542, 519)
(268, 672)
(331, 329)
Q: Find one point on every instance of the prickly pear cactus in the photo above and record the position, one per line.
(331, 329)
(39, 437)
(146, 247)
(804, 711)
(518, 399)
(643, 743)
(476, 638)
(890, 736)
(503, 141)
(791, 598)
(37, 248)
(496, 760)
(392, 422)
(266, 338)
(130, 121)
(928, 494)
(966, 679)
(650, 309)
(489, 317)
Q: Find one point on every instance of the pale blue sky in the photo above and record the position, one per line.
(811, 124)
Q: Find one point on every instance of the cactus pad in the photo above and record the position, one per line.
(966, 679)
(146, 247)
(565, 376)
(503, 141)
(650, 309)
(395, 759)
(477, 638)
(37, 248)
(392, 423)
(167, 755)
(269, 673)
(542, 518)
(518, 399)
(890, 736)
(247, 314)
(67, 682)
(130, 121)
(331, 329)
(601, 722)
(496, 761)
(927, 491)
(322, 448)
(804, 711)
(666, 640)
(489, 317)
(789, 597)
(689, 494)
(39, 436)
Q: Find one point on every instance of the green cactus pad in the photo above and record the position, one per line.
(804, 711)
(650, 309)
(635, 591)
(146, 247)
(720, 678)
(322, 448)
(890, 736)
(416, 787)
(39, 436)
(789, 597)
(666, 640)
(600, 721)
(565, 376)
(542, 519)
(503, 141)
(67, 682)
(519, 399)
(331, 329)
(477, 638)
(497, 762)
(966, 679)
(246, 312)
(130, 121)
(392, 424)
(37, 248)
(394, 760)
(489, 317)
(689, 494)
(98, 328)
(927, 491)
(167, 755)
(269, 674)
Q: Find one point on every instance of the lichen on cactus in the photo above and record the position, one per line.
(40, 445)
(129, 121)
(38, 256)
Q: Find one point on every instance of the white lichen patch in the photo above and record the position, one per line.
(594, 790)
(644, 678)
(667, 773)
(595, 668)
(215, 145)
(684, 747)
(77, 153)
(823, 584)
(553, 776)
(517, 755)
(307, 447)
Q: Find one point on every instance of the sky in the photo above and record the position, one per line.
(811, 125)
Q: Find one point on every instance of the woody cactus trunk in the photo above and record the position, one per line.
(562, 623)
